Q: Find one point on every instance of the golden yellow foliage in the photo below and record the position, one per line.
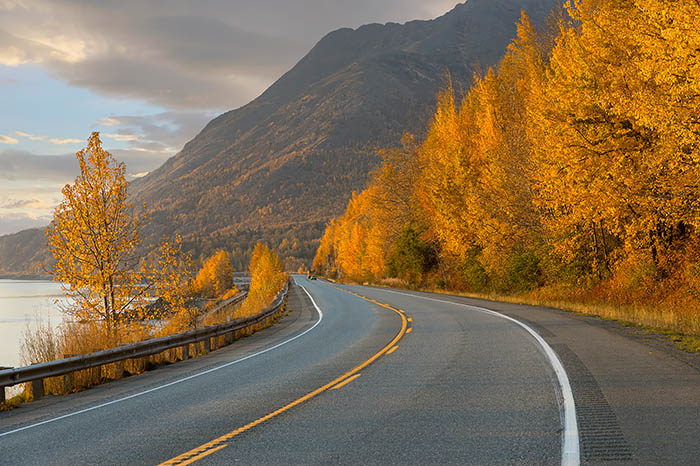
(617, 154)
(357, 245)
(267, 280)
(573, 162)
(93, 238)
(215, 277)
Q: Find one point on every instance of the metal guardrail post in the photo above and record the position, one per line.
(68, 382)
(186, 352)
(38, 388)
(2, 389)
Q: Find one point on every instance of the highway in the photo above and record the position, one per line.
(361, 375)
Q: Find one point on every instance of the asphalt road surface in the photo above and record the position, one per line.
(386, 377)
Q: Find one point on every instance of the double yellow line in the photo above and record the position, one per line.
(218, 443)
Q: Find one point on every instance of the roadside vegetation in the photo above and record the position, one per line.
(567, 175)
(120, 291)
(267, 279)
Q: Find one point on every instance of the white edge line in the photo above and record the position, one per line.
(320, 318)
(570, 451)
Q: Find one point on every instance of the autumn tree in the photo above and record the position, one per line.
(93, 239)
(215, 277)
(617, 120)
(267, 279)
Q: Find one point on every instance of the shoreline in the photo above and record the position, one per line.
(24, 276)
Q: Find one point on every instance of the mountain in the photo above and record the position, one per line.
(22, 254)
(280, 167)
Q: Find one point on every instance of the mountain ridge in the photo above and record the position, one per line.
(285, 163)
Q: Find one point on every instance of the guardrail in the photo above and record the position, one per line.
(229, 303)
(36, 373)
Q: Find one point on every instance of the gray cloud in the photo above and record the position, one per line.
(17, 165)
(22, 165)
(171, 129)
(179, 54)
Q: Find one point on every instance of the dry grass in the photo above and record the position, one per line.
(675, 313)
(676, 317)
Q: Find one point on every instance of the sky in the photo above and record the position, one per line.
(148, 75)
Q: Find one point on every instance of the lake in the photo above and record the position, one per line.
(23, 301)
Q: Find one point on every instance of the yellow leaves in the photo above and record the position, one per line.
(93, 238)
(267, 280)
(215, 277)
(617, 141)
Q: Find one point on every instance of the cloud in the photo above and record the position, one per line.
(57, 141)
(215, 54)
(23, 165)
(31, 137)
(61, 141)
(122, 137)
(164, 132)
(33, 203)
(7, 139)
(108, 121)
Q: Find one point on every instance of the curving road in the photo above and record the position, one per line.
(387, 377)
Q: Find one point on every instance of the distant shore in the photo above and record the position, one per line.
(23, 276)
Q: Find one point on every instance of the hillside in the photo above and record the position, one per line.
(22, 254)
(288, 161)
(281, 166)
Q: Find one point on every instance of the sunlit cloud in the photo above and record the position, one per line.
(31, 137)
(122, 137)
(61, 141)
(33, 203)
(108, 121)
(163, 150)
(8, 140)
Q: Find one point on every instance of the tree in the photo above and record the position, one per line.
(411, 257)
(267, 279)
(93, 238)
(215, 276)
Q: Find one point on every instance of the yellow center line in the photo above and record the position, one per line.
(392, 350)
(410, 319)
(346, 381)
(218, 443)
(409, 330)
(202, 455)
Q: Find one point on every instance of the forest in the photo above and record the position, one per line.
(567, 173)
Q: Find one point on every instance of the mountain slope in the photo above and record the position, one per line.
(278, 168)
(291, 158)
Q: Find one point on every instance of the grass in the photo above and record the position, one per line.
(681, 328)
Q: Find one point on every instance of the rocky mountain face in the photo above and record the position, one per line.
(280, 167)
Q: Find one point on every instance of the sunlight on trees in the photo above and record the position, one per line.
(94, 239)
(571, 165)
(215, 277)
(267, 280)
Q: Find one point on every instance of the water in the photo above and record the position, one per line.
(23, 301)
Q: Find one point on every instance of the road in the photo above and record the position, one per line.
(361, 375)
